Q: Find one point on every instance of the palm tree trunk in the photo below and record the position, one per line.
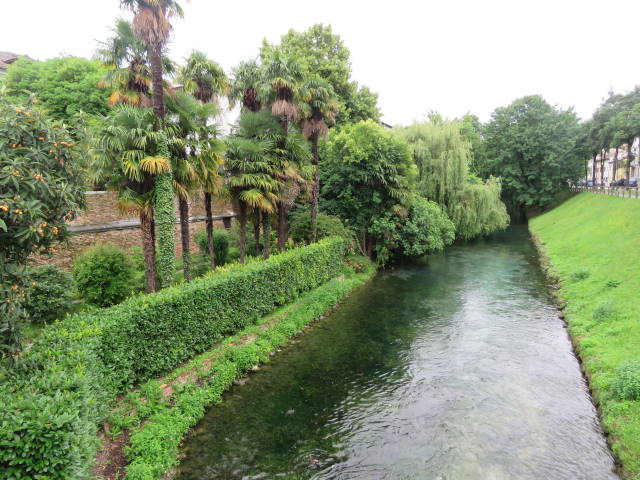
(209, 227)
(155, 57)
(148, 250)
(256, 231)
(282, 227)
(242, 219)
(184, 237)
(266, 234)
(315, 189)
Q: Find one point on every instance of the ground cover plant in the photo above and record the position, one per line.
(602, 232)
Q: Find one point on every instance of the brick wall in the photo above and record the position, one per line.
(102, 208)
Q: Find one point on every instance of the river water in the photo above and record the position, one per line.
(458, 368)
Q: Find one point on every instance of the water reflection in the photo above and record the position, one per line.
(457, 369)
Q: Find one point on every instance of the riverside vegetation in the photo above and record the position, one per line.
(591, 244)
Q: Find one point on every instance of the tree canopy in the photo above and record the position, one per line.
(533, 147)
(64, 86)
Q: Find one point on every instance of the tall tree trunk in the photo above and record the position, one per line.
(315, 189)
(266, 233)
(209, 227)
(256, 231)
(242, 219)
(155, 56)
(282, 227)
(165, 218)
(602, 159)
(615, 165)
(593, 171)
(148, 250)
(184, 238)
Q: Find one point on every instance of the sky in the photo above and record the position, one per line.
(452, 56)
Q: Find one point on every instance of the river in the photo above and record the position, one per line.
(457, 368)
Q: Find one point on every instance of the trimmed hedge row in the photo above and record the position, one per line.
(51, 404)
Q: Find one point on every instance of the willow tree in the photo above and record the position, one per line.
(443, 156)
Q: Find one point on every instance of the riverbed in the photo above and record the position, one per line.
(455, 368)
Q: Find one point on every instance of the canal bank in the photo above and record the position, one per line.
(590, 243)
(458, 368)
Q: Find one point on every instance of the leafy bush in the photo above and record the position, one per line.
(49, 293)
(103, 275)
(627, 383)
(611, 283)
(50, 409)
(220, 244)
(328, 226)
(580, 274)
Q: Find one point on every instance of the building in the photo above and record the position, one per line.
(615, 167)
(6, 59)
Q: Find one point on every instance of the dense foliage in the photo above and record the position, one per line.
(41, 188)
(532, 146)
(444, 155)
(102, 274)
(220, 242)
(422, 229)
(51, 406)
(366, 172)
(49, 293)
(328, 226)
(64, 86)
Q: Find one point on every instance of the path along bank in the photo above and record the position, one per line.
(592, 246)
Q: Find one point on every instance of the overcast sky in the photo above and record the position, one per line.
(450, 56)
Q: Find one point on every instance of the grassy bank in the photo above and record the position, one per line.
(592, 243)
(147, 425)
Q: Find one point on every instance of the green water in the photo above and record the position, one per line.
(458, 368)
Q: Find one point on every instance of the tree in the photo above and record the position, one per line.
(443, 156)
(367, 171)
(624, 124)
(41, 188)
(247, 81)
(322, 53)
(421, 229)
(319, 110)
(206, 81)
(124, 146)
(151, 24)
(64, 86)
(197, 160)
(533, 147)
(250, 169)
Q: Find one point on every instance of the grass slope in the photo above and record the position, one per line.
(593, 245)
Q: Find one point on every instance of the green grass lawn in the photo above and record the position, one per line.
(593, 245)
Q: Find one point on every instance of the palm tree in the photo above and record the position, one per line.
(128, 73)
(249, 168)
(318, 112)
(151, 24)
(123, 146)
(206, 81)
(247, 86)
(281, 79)
(196, 160)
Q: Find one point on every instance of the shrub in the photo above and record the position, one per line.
(328, 226)
(604, 310)
(580, 274)
(220, 244)
(611, 283)
(50, 408)
(627, 384)
(103, 275)
(49, 293)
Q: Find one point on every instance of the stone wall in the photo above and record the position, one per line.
(102, 208)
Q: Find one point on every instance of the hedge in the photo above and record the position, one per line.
(52, 403)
